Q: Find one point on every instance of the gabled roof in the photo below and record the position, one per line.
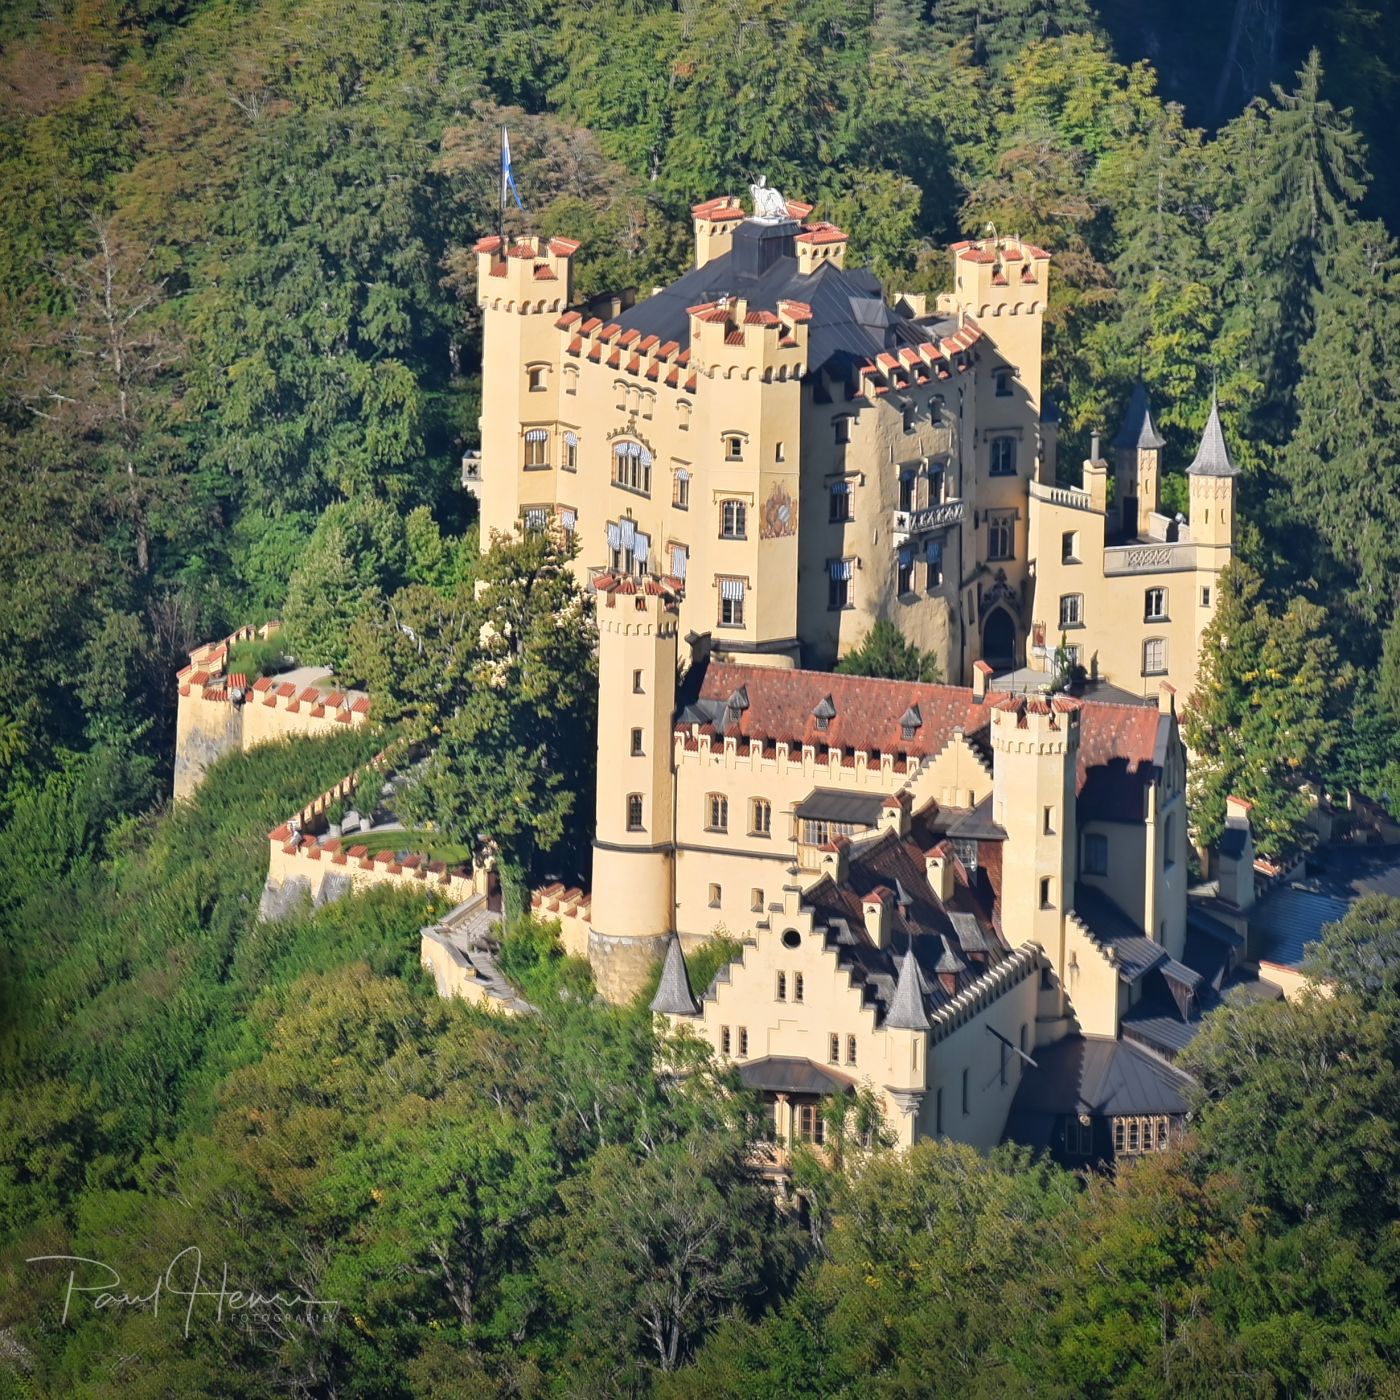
(1138, 430)
(787, 1074)
(1137, 954)
(1212, 456)
(1101, 1077)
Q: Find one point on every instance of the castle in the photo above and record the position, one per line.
(969, 899)
(960, 896)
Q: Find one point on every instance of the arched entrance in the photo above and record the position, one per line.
(999, 640)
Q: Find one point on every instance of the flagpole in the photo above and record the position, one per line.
(501, 218)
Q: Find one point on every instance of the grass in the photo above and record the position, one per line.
(432, 844)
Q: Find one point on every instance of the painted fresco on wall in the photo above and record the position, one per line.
(779, 518)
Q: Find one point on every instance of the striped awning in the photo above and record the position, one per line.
(571, 439)
(641, 547)
(537, 435)
(536, 518)
(731, 590)
(682, 474)
(679, 558)
(839, 568)
(568, 519)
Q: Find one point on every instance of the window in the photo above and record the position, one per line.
(1154, 657)
(910, 413)
(535, 378)
(1169, 841)
(1096, 854)
(536, 448)
(1132, 1136)
(648, 403)
(1079, 1138)
(840, 502)
(1154, 608)
(632, 467)
(717, 812)
(760, 817)
(680, 489)
(733, 520)
(683, 417)
(966, 1101)
(1046, 890)
(724, 1040)
(1001, 534)
(570, 452)
(810, 1125)
(1071, 610)
(715, 893)
(797, 986)
(838, 584)
(634, 812)
(680, 560)
(733, 448)
(933, 564)
(904, 571)
(1205, 597)
(782, 986)
(1069, 547)
(907, 481)
(850, 1049)
(743, 1040)
(1003, 456)
(841, 429)
(731, 602)
(1048, 823)
(637, 688)
(833, 1050)
(779, 453)
(636, 743)
(570, 379)
(1002, 379)
(536, 517)
(966, 851)
(756, 900)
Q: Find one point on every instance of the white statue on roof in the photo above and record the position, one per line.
(767, 203)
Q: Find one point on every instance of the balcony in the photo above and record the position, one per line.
(1071, 496)
(1148, 558)
(471, 474)
(909, 524)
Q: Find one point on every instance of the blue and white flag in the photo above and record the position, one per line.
(508, 175)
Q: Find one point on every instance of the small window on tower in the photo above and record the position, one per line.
(733, 448)
(636, 743)
(781, 992)
(535, 377)
(1205, 597)
(634, 812)
(841, 427)
(714, 896)
(637, 683)
(797, 987)
(1003, 383)
(833, 1050)
(756, 900)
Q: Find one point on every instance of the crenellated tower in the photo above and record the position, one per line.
(633, 909)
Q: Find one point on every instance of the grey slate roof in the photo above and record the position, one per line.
(1138, 429)
(907, 1010)
(1103, 1077)
(1213, 457)
(850, 324)
(786, 1074)
(1137, 954)
(1288, 919)
(833, 805)
(674, 996)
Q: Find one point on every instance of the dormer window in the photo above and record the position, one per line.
(824, 713)
(910, 723)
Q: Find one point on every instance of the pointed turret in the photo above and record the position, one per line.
(1138, 430)
(1213, 457)
(907, 1011)
(674, 996)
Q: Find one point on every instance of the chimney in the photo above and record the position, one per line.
(1166, 705)
(981, 674)
(894, 814)
(1096, 477)
(877, 907)
(835, 858)
(1236, 855)
(938, 863)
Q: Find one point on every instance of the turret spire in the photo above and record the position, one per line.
(674, 996)
(907, 1011)
(1138, 430)
(1213, 457)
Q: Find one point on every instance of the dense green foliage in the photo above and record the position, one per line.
(887, 652)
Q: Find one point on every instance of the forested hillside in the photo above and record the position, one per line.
(239, 363)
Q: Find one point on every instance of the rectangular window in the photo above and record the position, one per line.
(781, 992)
(850, 1049)
(933, 564)
(717, 812)
(833, 1049)
(1046, 890)
(680, 489)
(733, 520)
(756, 900)
(1003, 456)
(779, 454)
(1069, 546)
(570, 379)
(743, 1041)
(535, 377)
(1003, 383)
(1001, 534)
(966, 851)
(637, 683)
(840, 502)
(636, 743)
(904, 571)
(724, 1040)
(907, 482)
(797, 986)
(1154, 657)
(838, 584)
(1205, 597)
(841, 430)
(1155, 605)
(536, 449)
(1079, 1138)
(634, 812)
(570, 452)
(1048, 824)
(632, 467)
(1071, 610)
(760, 817)
(731, 602)
(1095, 854)
(714, 896)
(733, 449)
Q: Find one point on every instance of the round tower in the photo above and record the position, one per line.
(633, 899)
